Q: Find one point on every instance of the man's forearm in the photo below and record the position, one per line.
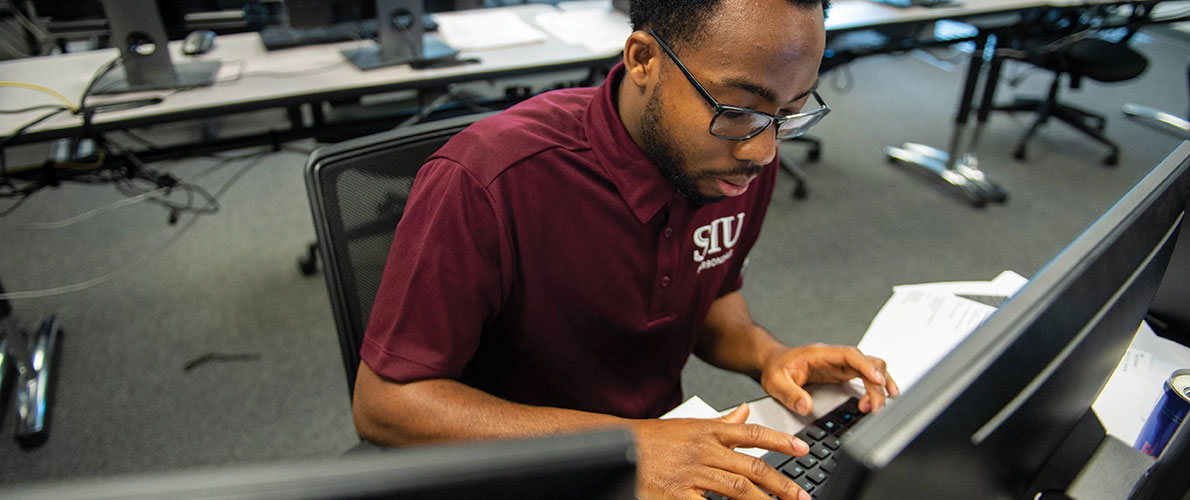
(731, 340)
(392, 414)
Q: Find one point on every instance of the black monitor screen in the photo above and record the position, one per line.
(1007, 413)
(595, 466)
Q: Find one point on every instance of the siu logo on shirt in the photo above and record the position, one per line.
(715, 241)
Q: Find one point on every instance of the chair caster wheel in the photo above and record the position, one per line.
(1112, 160)
(1019, 153)
(813, 155)
(799, 192)
(308, 267)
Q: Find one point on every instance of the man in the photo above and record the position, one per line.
(558, 263)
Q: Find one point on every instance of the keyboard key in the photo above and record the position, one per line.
(829, 426)
(813, 433)
(807, 461)
(832, 443)
(820, 451)
(776, 459)
(817, 476)
(793, 470)
(805, 484)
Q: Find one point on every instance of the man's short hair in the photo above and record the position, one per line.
(679, 22)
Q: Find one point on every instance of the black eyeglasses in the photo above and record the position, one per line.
(740, 124)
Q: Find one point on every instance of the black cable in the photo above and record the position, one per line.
(99, 73)
(30, 108)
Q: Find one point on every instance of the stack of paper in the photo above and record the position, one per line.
(485, 29)
(595, 29)
(920, 324)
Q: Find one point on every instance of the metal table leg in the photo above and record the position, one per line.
(958, 171)
(33, 358)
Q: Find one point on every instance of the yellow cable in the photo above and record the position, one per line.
(44, 90)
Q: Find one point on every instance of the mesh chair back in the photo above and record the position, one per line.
(358, 191)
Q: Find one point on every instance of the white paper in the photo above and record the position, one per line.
(694, 407)
(1138, 382)
(594, 29)
(921, 323)
(485, 29)
(916, 328)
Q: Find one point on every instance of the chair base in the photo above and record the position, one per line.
(1174, 125)
(799, 177)
(1089, 123)
(962, 176)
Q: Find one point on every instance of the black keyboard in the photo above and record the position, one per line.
(824, 436)
(286, 37)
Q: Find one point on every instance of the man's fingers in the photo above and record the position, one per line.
(792, 395)
(747, 475)
(739, 415)
(867, 369)
(759, 436)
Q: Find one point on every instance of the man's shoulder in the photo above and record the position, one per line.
(553, 120)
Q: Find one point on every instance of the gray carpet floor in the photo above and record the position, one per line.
(228, 282)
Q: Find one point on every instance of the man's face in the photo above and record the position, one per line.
(762, 57)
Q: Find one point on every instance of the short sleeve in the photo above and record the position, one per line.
(442, 280)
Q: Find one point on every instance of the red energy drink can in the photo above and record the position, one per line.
(1167, 415)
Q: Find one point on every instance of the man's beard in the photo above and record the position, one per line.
(659, 148)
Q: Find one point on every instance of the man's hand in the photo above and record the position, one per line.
(786, 373)
(686, 458)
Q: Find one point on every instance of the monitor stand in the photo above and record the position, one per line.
(138, 30)
(372, 56)
(401, 39)
(186, 75)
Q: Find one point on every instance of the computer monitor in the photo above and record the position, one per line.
(402, 39)
(87, 16)
(1006, 414)
(138, 29)
(588, 466)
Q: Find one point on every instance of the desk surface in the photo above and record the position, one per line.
(253, 78)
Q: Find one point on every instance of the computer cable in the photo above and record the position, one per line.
(44, 90)
(139, 261)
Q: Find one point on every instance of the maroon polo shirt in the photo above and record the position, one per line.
(543, 259)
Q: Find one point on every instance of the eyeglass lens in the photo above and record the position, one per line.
(739, 124)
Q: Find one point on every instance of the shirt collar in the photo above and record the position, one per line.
(639, 182)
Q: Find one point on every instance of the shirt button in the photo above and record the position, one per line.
(664, 281)
(669, 232)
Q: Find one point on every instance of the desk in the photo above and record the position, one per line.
(251, 79)
(254, 79)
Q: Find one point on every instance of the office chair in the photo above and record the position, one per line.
(1065, 44)
(830, 60)
(358, 191)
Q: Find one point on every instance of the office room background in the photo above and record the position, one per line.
(203, 343)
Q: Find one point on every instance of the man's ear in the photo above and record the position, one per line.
(642, 61)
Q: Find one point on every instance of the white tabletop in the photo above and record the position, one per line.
(253, 77)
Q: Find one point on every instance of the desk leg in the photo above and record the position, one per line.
(959, 172)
